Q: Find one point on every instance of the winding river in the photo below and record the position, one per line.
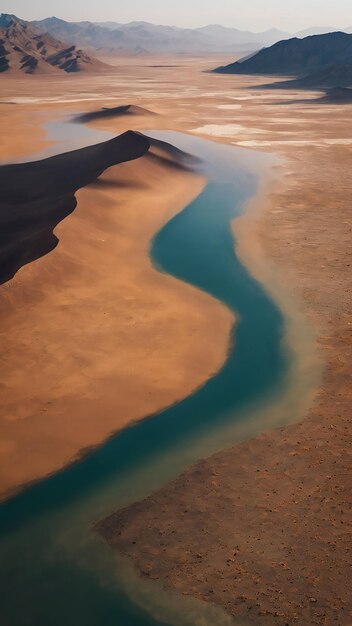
(54, 569)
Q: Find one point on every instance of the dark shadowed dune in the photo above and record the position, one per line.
(108, 112)
(328, 78)
(36, 196)
(169, 155)
(338, 95)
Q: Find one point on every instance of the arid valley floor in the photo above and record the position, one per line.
(76, 337)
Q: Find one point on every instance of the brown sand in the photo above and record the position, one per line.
(307, 231)
(263, 529)
(92, 336)
(18, 134)
(36, 196)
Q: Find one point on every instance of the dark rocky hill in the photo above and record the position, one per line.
(297, 57)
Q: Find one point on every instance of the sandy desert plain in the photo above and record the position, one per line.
(94, 338)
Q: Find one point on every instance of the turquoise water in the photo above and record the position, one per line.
(54, 569)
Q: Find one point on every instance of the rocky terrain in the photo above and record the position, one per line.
(25, 49)
(298, 57)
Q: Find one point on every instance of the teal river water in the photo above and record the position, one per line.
(54, 569)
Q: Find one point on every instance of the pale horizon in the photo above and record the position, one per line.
(254, 15)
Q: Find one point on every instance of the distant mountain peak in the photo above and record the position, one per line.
(274, 31)
(7, 20)
(139, 36)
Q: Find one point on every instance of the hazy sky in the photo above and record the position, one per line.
(245, 14)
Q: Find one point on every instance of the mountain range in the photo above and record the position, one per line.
(25, 49)
(144, 38)
(322, 61)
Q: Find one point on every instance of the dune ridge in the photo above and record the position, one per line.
(36, 196)
(108, 112)
(79, 325)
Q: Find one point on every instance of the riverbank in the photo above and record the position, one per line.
(262, 529)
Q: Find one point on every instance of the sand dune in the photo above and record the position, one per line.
(37, 196)
(79, 325)
(107, 112)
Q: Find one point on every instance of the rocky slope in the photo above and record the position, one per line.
(297, 57)
(25, 49)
